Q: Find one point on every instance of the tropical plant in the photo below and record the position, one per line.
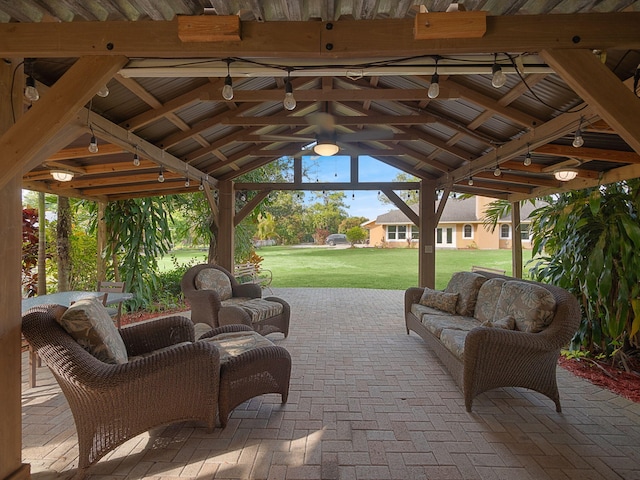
(587, 242)
(29, 251)
(356, 234)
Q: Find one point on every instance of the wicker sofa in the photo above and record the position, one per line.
(494, 331)
(218, 299)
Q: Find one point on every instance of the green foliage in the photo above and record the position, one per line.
(169, 293)
(588, 242)
(329, 211)
(350, 222)
(291, 223)
(83, 260)
(356, 234)
(411, 197)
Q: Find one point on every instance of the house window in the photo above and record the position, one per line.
(415, 233)
(445, 237)
(505, 231)
(402, 232)
(525, 231)
(396, 232)
(467, 231)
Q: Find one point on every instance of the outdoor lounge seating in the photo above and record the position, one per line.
(494, 331)
(146, 375)
(250, 365)
(218, 299)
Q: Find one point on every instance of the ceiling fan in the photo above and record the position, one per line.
(327, 139)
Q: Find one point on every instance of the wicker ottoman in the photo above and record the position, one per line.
(250, 365)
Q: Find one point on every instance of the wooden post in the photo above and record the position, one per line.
(427, 243)
(226, 233)
(42, 244)
(516, 244)
(10, 275)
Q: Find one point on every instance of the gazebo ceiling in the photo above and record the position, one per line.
(360, 71)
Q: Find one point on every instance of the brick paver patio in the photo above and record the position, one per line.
(367, 402)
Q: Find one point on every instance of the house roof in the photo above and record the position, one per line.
(368, 64)
(456, 210)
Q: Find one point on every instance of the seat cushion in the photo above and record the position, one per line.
(532, 306)
(436, 323)
(467, 285)
(419, 310)
(214, 279)
(487, 300)
(454, 340)
(233, 344)
(443, 301)
(260, 309)
(89, 323)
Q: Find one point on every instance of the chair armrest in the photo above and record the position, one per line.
(226, 329)
(233, 315)
(412, 295)
(153, 335)
(250, 290)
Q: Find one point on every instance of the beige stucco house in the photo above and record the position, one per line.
(460, 226)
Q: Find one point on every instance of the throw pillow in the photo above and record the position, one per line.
(90, 324)
(214, 279)
(488, 299)
(532, 306)
(508, 323)
(467, 285)
(441, 300)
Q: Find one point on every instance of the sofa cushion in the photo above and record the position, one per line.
(260, 309)
(487, 300)
(508, 323)
(89, 323)
(443, 301)
(214, 279)
(454, 340)
(419, 310)
(532, 306)
(436, 323)
(467, 285)
(232, 344)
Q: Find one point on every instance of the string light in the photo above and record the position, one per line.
(527, 157)
(160, 176)
(136, 158)
(93, 143)
(187, 183)
(227, 90)
(497, 172)
(434, 87)
(578, 141)
(103, 91)
(30, 91)
(498, 78)
(201, 186)
(289, 101)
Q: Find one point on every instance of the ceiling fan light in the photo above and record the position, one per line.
(565, 174)
(326, 149)
(62, 175)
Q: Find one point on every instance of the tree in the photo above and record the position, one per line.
(329, 211)
(411, 197)
(63, 244)
(356, 234)
(588, 243)
(291, 223)
(350, 222)
(266, 226)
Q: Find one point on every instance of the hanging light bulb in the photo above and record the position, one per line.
(498, 78)
(227, 90)
(289, 101)
(527, 159)
(103, 92)
(136, 160)
(201, 186)
(187, 183)
(30, 91)
(497, 172)
(434, 88)
(93, 143)
(161, 176)
(470, 182)
(578, 141)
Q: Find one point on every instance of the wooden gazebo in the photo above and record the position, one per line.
(360, 73)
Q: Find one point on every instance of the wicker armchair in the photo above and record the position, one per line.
(113, 403)
(224, 301)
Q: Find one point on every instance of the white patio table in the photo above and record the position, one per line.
(67, 298)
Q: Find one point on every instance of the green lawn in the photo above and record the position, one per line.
(393, 268)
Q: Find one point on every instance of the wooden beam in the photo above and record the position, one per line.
(348, 38)
(586, 153)
(20, 144)
(250, 206)
(447, 25)
(340, 120)
(82, 152)
(402, 206)
(209, 28)
(600, 88)
(317, 186)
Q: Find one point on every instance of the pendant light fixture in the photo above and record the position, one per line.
(578, 141)
(161, 176)
(566, 174)
(527, 157)
(434, 87)
(30, 91)
(93, 143)
(62, 175)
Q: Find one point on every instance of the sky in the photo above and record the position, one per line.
(361, 203)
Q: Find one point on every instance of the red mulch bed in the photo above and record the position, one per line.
(141, 316)
(625, 384)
